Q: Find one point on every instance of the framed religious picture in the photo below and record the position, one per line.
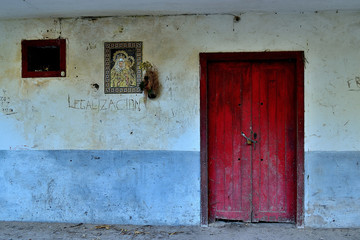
(122, 67)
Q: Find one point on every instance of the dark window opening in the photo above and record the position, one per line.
(43, 58)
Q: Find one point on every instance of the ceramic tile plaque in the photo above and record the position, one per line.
(122, 67)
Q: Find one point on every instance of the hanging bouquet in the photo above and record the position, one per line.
(150, 83)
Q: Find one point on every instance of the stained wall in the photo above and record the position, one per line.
(65, 143)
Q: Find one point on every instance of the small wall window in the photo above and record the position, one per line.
(43, 58)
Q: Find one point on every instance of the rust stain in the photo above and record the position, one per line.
(29, 86)
(12, 73)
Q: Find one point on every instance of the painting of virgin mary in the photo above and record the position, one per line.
(122, 74)
(122, 67)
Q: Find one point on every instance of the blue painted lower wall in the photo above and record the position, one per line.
(332, 189)
(125, 187)
(152, 187)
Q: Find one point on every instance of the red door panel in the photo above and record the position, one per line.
(229, 163)
(274, 182)
(252, 182)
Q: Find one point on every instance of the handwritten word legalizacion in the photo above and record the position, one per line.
(104, 104)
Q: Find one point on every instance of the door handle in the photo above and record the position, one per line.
(249, 141)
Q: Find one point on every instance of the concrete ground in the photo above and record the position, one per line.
(218, 231)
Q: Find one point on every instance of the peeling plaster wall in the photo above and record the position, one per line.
(46, 114)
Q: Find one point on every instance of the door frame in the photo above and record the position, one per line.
(298, 58)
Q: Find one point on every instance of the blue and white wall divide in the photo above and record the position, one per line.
(70, 153)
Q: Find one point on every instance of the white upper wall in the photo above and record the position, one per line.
(19, 9)
(42, 113)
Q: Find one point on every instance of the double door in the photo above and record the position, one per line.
(252, 140)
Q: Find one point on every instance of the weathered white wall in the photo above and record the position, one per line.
(42, 118)
(47, 114)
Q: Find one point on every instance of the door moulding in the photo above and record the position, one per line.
(205, 59)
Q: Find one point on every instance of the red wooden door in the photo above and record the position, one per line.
(257, 181)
